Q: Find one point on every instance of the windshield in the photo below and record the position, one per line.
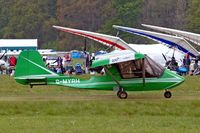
(152, 67)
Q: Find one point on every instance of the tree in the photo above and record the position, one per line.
(80, 14)
(31, 19)
(125, 13)
(193, 16)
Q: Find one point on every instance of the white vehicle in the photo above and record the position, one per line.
(51, 60)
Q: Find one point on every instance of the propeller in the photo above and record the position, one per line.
(164, 57)
(171, 63)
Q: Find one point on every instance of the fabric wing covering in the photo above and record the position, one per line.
(168, 40)
(193, 37)
(111, 41)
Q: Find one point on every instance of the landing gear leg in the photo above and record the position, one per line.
(167, 94)
(121, 93)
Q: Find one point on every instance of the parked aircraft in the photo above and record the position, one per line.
(125, 70)
(176, 42)
(193, 37)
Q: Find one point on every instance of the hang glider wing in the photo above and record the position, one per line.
(112, 41)
(169, 40)
(116, 57)
(193, 37)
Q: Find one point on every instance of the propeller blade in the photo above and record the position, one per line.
(164, 57)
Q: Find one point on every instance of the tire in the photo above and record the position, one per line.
(122, 94)
(167, 94)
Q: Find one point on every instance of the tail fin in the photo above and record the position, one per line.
(31, 66)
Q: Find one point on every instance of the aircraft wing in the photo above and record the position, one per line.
(169, 40)
(116, 57)
(107, 40)
(193, 37)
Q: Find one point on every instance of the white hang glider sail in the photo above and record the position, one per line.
(171, 41)
(156, 51)
(111, 41)
(193, 37)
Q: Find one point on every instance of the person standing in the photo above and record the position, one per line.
(68, 58)
(12, 62)
(59, 65)
(187, 62)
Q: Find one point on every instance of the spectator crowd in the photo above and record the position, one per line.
(64, 65)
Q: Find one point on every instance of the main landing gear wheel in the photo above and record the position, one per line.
(167, 94)
(122, 94)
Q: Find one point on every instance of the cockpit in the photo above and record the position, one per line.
(140, 68)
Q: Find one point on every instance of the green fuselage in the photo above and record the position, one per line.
(168, 80)
(30, 70)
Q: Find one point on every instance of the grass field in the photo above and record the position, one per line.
(56, 109)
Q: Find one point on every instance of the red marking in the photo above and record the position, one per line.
(95, 38)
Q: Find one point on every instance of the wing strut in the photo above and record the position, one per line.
(117, 34)
(143, 71)
(109, 73)
(121, 93)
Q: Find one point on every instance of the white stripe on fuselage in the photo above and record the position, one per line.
(35, 76)
(171, 80)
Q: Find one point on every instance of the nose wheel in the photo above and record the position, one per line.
(167, 94)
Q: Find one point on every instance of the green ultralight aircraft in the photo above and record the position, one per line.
(124, 70)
